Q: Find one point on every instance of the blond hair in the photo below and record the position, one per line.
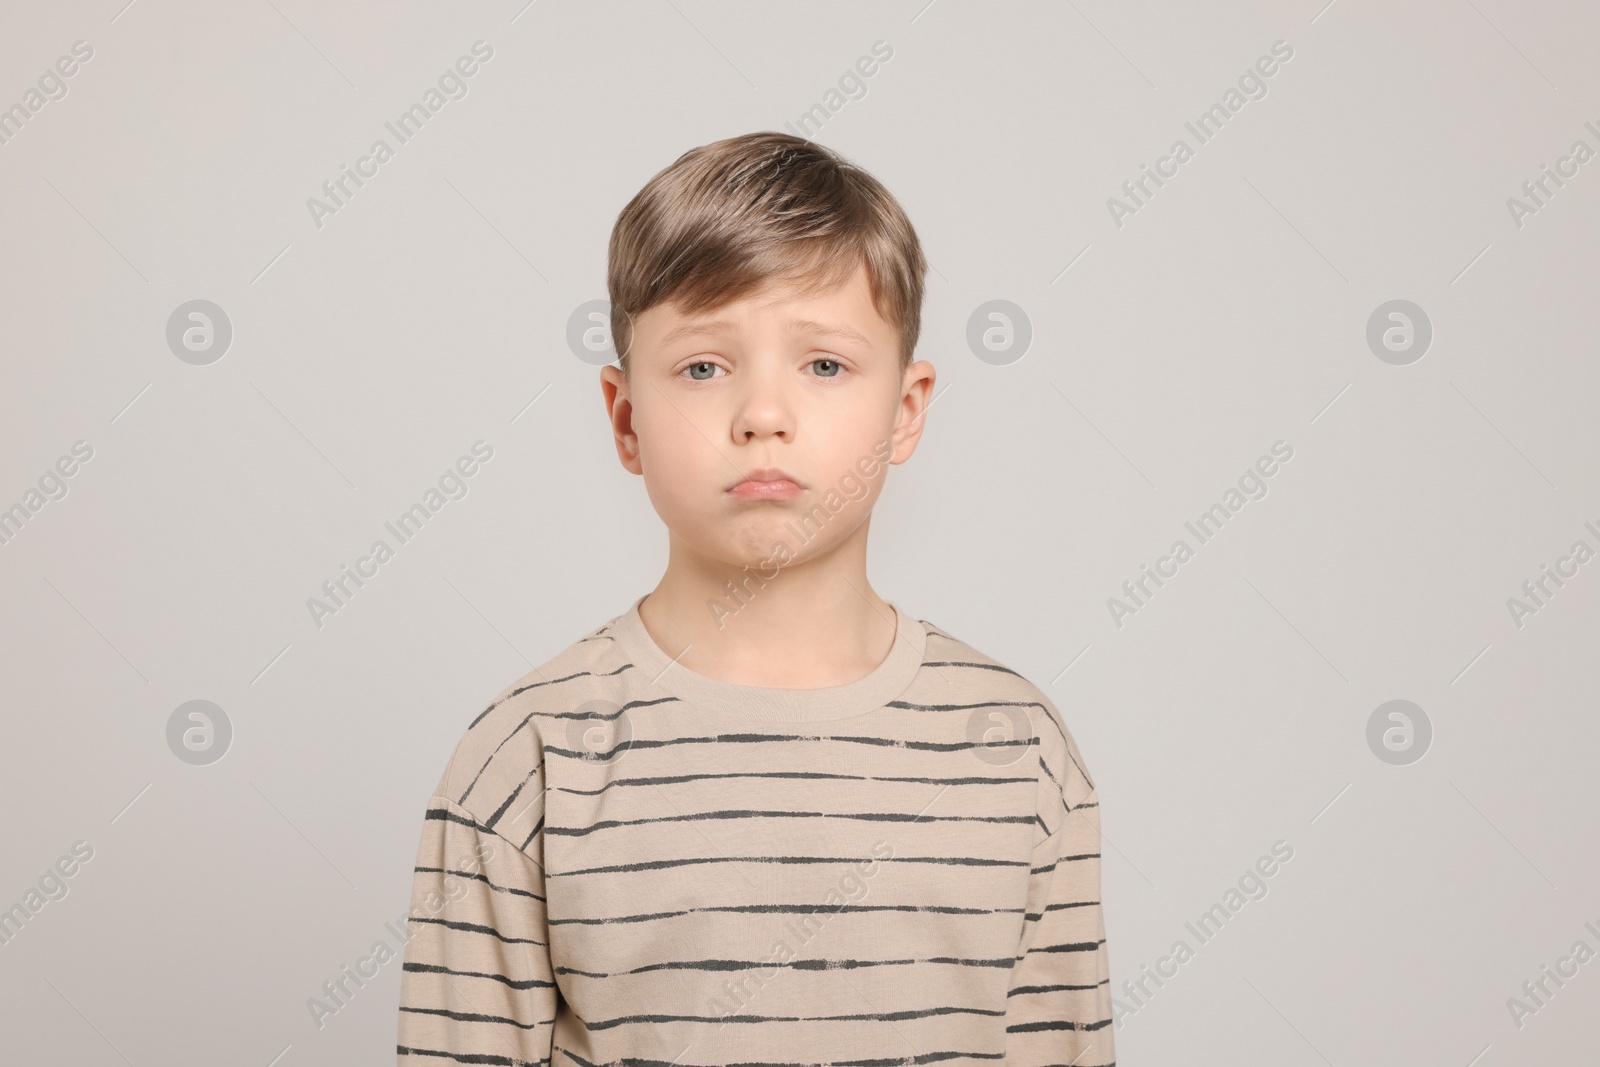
(728, 217)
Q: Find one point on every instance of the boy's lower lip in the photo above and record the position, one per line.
(782, 489)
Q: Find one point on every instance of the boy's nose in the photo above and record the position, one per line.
(764, 410)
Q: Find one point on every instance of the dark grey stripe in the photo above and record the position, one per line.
(676, 779)
(476, 1017)
(874, 1017)
(479, 878)
(656, 865)
(888, 816)
(767, 739)
(1055, 1024)
(478, 928)
(785, 909)
(485, 1058)
(1063, 859)
(969, 663)
(1025, 989)
(920, 1058)
(514, 983)
(501, 810)
(794, 965)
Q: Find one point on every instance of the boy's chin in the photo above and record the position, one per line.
(766, 541)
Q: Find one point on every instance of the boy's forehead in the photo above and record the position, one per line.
(802, 303)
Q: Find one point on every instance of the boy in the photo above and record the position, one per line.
(763, 816)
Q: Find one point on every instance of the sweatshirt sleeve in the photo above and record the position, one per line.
(1058, 1009)
(477, 984)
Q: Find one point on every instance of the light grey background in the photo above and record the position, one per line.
(1168, 353)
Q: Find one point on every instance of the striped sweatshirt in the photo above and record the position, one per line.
(627, 862)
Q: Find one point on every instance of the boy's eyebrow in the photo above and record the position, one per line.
(825, 329)
(810, 326)
(697, 329)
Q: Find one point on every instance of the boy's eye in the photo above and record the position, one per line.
(694, 370)
(706, 370)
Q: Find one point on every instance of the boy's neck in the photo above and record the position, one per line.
(816, 624)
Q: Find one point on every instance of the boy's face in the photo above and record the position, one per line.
(809, 386)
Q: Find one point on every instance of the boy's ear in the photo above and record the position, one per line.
(915, 390)
(619, 412)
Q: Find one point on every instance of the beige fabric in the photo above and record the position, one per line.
(625, 861)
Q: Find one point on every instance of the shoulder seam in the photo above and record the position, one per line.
(470, 818)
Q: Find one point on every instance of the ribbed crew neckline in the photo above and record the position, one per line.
(871, 691)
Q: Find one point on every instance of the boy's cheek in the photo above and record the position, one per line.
(853, 487)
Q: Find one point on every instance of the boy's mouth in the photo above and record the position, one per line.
(766, 483)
